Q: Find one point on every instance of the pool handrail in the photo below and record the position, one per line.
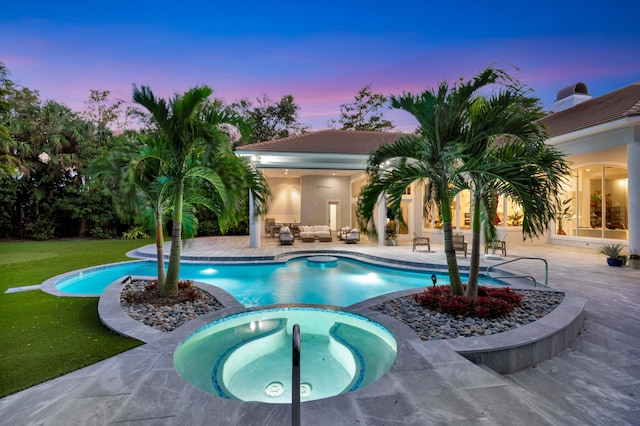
(535, 283)
(295, 377)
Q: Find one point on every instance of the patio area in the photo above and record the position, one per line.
(596, 380)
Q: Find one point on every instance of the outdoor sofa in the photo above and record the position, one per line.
(311, 232)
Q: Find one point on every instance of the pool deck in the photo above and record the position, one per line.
(595, 381)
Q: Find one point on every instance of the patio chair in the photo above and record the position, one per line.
(421, 241)
(269, 223)
(295, 230)
(496, 245)
(459, 244)
(352, 236)
(285, 236)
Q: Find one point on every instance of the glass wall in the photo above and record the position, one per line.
(597, 206)
(461, 213)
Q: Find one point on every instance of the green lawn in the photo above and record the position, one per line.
(43, 336)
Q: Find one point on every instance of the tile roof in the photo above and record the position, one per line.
(613, 106)
(327, 141)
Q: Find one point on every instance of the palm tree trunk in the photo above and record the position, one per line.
(474, 267)
(170, 288)
(449, 250)
(160, 250)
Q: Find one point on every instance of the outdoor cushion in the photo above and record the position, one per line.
(315, 231)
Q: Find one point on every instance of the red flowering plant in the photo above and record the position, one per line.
(491, 302)
(151, 285)
(192, 293)
(182, 284)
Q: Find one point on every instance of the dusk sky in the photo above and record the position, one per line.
(322, 53)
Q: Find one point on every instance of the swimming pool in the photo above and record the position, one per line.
(341, 283)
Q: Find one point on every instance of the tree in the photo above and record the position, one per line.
(44, 150)
(431, 156)
(505, 153)
(268, 120)
(364, 113)
(16, 102)
(194, 152)
(105, 114)
(133, 169)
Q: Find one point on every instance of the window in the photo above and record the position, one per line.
(599, 201)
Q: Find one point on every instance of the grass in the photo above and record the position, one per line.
(43, 336)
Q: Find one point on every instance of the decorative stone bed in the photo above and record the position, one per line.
(523, 346)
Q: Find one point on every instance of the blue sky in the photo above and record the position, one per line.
(322, 53)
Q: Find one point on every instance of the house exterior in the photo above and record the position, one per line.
(316, 177)
(601, 138)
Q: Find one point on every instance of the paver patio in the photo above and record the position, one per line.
(596, 380)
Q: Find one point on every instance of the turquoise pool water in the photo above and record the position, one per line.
(340, 283)
(247, 356)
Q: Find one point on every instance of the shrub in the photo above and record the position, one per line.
(503, 293)
(208, 228)
(192, 293)
(431, 297)
(40, 230)
(130, 296)
(492, 307)
(100, 233)
(457, 305)
(151, 285)
(491, 302)
(182, 284)
(135, 233)
(611, 250)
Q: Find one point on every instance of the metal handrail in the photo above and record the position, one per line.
(295, 377)
(535, 283)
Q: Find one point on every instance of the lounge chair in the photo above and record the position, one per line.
(285, 236)
(421, 241)
(459, 244)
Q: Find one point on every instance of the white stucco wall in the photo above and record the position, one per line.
(286, 199)
(317, 191)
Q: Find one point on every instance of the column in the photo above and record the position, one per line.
(254, 225)
(381, 224)
(633, 191)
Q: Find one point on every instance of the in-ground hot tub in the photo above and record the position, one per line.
(247, 356)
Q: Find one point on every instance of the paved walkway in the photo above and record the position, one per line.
(595, 381)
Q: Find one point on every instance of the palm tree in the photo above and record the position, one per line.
(142, 195)
(195, 152)
(504, 152)
(431, 156)
(530, 173)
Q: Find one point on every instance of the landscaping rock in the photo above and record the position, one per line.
(434, 325)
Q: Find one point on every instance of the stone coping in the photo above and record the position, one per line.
(49, 285)
(505, 352)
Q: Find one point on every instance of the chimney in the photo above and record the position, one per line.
(571, 96)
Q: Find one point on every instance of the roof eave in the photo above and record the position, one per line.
(593, 130)
(297, 160)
